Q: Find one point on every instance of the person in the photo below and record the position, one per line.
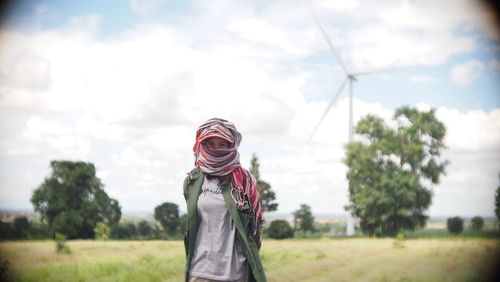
(224, 215)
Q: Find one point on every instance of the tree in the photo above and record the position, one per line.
(455, 225)
(280, 229)
(6, 230)
(168, 216)
(21, 227)
(477, 223)
(303, 218)
(389, 169)
(182, 223)
(144, 228)
(72, 200)
(497, 202)
(267, 195)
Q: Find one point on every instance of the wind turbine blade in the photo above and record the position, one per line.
(335, 98)
(330, 44)
(380, 70)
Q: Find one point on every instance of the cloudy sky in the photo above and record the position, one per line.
(125, 85)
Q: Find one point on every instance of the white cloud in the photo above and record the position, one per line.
(471, 131)
(389, 33)
(52, 138)
(131, 101)
(465, 74)
(261, 31)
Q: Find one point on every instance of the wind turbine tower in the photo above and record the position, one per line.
(352, 77)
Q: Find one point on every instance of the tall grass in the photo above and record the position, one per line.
(357, 259)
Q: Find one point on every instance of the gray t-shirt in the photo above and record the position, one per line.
(218, 253)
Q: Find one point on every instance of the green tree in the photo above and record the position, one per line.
(455, 225)
(167, 214)
(6, 230)
(477, 223)
(72, 200)
(267, 195)
(21, 227)
(182, 223)
(390, 170)
(497, 202)
(144, 228)
(303, 218)
(124, 230)
(280, 229)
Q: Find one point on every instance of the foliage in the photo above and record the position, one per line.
(455, 225)
(72, 200)
(61, 247)
(144, 228)
(167, 214)
(303, 218)
(39, 230)
(399, 243)
(280, 229)
(102, 231)
(182, 224)
(477, 223)
(6, 230)
(4, 266)
(126, 230)
(267, 195)
(389, 167)
(497, 202)
(21, 227)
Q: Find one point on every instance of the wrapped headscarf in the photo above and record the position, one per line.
(221, 162)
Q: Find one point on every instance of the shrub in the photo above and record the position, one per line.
(280, 229)
(21, 227)
(477, 223)
(399, 243)
(4, 266)
(455, 225)
(61, 247)
(102, 231)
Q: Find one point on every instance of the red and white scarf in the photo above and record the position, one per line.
(221, 162)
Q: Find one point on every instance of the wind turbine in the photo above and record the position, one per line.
(351, 77)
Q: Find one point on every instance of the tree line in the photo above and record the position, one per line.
(72, 202)
(391, 172)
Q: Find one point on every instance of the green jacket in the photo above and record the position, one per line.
(192, 188)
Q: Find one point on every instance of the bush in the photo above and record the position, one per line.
(399, 243)
(102, 231)
(455, 225)
(61, 247)
(280, 229)
(21, 227)
(477, 223)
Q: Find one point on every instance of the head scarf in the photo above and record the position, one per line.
(221, 162)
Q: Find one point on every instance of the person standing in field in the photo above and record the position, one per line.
(224, 215)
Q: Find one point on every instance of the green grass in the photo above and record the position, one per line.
(443, 233)
(358, 259)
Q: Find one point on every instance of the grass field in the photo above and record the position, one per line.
(355, 259)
